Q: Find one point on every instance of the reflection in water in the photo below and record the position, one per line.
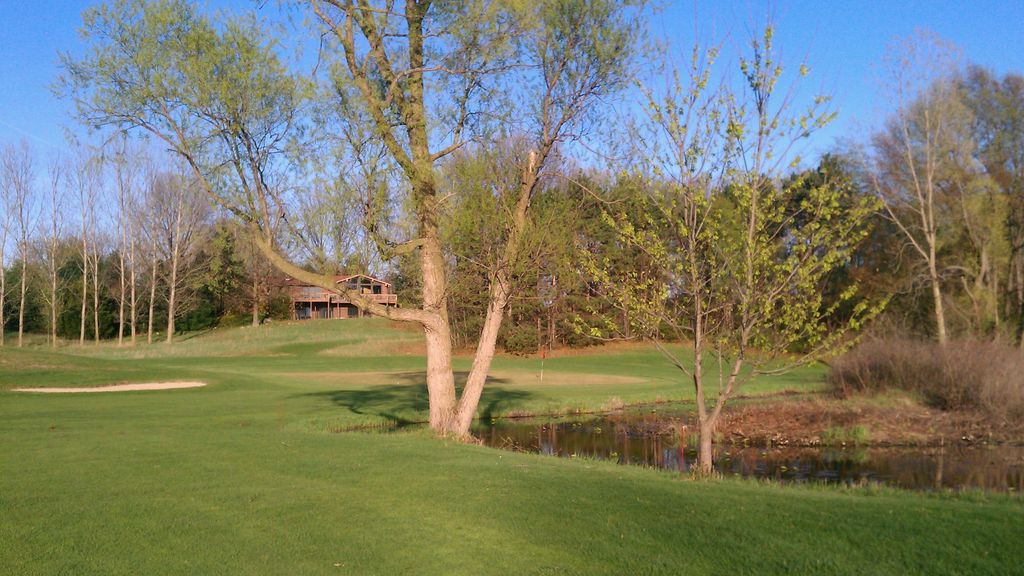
(654, 443)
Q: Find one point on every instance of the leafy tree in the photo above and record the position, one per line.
(997, 106)
(419, 81)
(921, 152)
(737, 258)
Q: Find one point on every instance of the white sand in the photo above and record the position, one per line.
(117, 387)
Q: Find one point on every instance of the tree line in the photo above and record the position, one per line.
(536, 174)
(119, 243)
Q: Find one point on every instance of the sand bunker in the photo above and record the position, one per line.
(117, 387)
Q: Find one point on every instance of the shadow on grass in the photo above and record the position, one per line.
(406, 402)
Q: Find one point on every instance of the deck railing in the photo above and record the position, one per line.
(314, 294)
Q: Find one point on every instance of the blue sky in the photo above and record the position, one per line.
(842, 41)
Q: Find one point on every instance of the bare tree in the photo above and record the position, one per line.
(19, 174)
(86, 182)
(180, 208)
(51, 233)
(148, 218)
(125, 163)
(6, 213)
(96, 245)
(915, 150)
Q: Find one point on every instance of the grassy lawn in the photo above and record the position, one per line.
(244, 476)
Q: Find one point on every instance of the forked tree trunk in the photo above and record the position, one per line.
(482, 359)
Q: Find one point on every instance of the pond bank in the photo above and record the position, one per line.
(892, 421)
(646, 441)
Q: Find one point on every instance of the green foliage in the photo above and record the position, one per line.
(213, 90)
(842, 436)
(738, 259)
(520, 339)
(279, 306)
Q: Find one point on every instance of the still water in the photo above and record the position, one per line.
(655, 443)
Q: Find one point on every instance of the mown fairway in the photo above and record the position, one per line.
(246, 477)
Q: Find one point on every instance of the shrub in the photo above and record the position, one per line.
(520, 339)
(233, 320)
(987, 376)
(279, 307)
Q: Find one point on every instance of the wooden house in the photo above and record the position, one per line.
(310, 301)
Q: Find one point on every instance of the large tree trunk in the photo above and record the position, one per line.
(482, 359)
(440, 377)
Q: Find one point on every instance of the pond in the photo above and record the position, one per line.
(654, 442)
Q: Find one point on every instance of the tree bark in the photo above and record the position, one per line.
(482, 359)
(255, 300)
(940, 313)
(440, 379)
(705, 451)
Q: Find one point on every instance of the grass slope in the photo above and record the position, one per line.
(241, 477)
